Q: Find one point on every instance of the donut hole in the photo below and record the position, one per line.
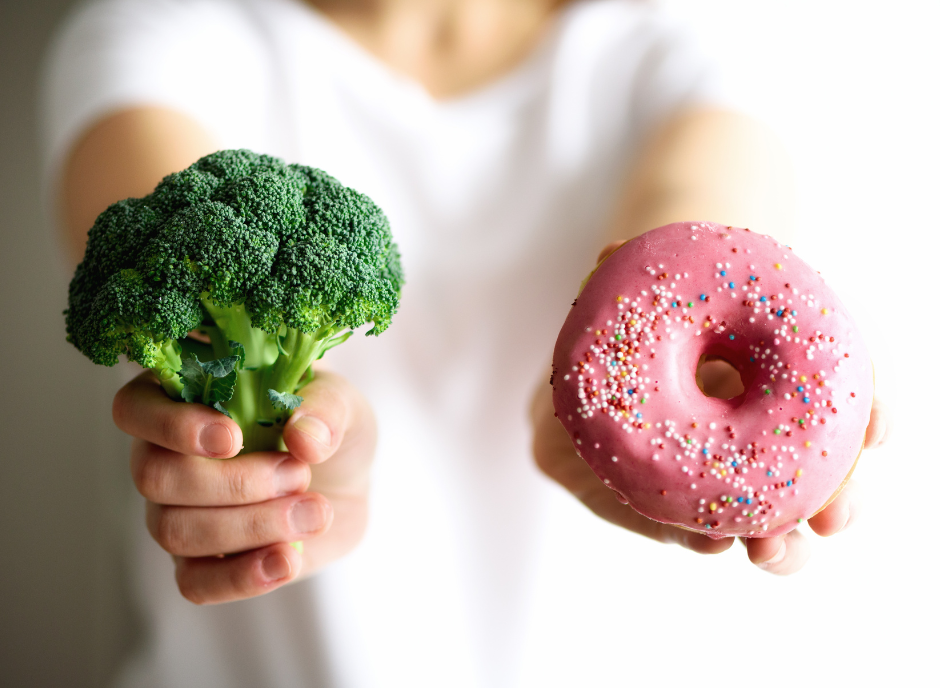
(717, 378)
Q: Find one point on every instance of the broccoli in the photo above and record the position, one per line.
(272, 264)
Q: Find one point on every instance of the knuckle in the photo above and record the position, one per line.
(256, 527)
(169, 530)
(188, 585)
(119, 406)
(128, 400)
(167, 431)
(149, 478)
(239, 484)
(240, 580)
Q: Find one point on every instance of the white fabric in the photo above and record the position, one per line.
(498, 201)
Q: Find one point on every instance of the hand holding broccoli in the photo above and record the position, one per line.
(272, 265)
(253, 504)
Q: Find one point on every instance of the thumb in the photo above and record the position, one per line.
(317, 427)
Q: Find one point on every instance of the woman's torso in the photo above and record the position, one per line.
(499, 201)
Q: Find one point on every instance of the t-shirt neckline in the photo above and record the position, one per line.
(368, 73)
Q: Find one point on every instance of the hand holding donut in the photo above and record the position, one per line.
(753, 462)
(250, 507)
(556, 457)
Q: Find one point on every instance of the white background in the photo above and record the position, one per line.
(852, 89)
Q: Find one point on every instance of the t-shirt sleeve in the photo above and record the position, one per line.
(674, 72)
(198, 57)
(622, 70)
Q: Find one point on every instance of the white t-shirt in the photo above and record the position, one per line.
(499, 201)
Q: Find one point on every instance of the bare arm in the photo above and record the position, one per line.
(703, 165)
(709, 165)
(121, 156)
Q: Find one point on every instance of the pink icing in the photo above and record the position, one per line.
(624, 381)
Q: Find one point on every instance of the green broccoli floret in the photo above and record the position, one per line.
(273, 263)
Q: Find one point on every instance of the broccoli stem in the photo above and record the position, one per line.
(292, 369)
(169, 362)
(299, 351)
(235, 323)
(264, 368)
(272, 361)
(244, 406)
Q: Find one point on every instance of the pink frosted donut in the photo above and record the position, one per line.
(624, 384)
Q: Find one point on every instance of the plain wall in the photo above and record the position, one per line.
(64, 620)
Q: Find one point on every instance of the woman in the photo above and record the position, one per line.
(508, 141)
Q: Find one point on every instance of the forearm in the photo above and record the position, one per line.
(709, 165)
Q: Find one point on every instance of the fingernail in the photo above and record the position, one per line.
(291, 476)
(216, 439)
(275, 567)
(777, 558)
(315, 428)
(306, 516)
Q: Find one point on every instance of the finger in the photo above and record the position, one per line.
(317, 428)
(879, 425)
(696, 542)
(603, 501)
(142, 409)
(207, 531)
(608, 249)
(211, 580)
(333, 422)
(840, 514)
(556, 457)
(351, 516)
(167, 477)
(780, 556)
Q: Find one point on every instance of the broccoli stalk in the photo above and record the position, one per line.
(281, 363)
(274, 264)
(167, 366)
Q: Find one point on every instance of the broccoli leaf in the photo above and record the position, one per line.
(239, 351)
(221, 367)
(209, 383)
(284, 401)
